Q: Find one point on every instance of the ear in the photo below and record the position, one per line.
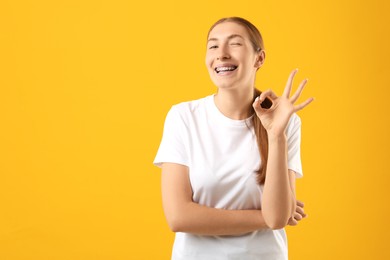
(260, 58)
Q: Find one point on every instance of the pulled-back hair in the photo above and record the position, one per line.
(260, 132)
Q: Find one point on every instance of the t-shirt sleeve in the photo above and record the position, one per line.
(293, 133)
(172, 147)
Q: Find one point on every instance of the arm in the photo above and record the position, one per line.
(278, 198)
(184, 215)
(291, 175)
(299, 213)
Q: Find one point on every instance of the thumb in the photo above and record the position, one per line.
(260, 105)
(257, 105)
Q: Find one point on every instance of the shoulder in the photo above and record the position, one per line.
(295, 119)
(293, 125)
(188, 109)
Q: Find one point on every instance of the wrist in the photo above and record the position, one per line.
(276, 137)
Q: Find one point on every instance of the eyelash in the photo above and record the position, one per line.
(215, 46)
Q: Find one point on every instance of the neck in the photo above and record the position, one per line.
(234, 104)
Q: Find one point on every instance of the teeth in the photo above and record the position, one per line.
(225, 68)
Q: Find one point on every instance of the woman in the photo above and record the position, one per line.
(229, 160)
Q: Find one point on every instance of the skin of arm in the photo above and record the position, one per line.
(292, 177)
(299, 213)
(184, 215)
(279, 202)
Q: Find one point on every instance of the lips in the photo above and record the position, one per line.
(225, 68)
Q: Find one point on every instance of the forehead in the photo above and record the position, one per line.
(225, 29)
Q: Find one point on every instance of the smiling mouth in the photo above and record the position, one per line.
(225, 69)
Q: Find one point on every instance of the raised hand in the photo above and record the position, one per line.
(275, 118)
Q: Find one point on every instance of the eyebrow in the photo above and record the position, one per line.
(230, 37)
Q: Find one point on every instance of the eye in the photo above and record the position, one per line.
(236, 43)
(213, 47)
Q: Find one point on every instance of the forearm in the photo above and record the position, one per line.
(278, 201)
(198, 219)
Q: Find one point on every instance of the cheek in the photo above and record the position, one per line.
(208, 61)
(209, 58)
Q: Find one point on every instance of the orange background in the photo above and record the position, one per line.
(85, 87)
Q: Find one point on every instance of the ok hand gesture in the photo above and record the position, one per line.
(275, 118)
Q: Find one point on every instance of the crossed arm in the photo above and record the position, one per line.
(184, 215)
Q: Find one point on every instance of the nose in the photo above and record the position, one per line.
(223, 53)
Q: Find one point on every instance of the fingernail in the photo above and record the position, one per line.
(257, 98)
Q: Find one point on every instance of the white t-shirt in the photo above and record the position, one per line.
(222, 155)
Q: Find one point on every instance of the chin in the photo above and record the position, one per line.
(225, 84)
(232, 85)
(221, 83)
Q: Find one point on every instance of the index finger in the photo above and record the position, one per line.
(287, 89)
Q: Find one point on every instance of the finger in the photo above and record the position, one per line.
(302, 105)
(300, 210)
(293, 222)
(300, 203)
(303, 215)
(256, 104)
(299, 91)
(297, 216)
(268, 93)
(287, 89)
(258, 107)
